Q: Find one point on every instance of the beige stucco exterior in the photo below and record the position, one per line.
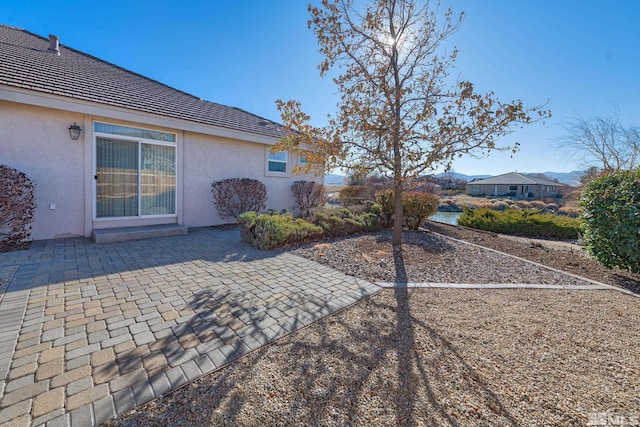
(34, 139)
(207, 159)
(535, 191)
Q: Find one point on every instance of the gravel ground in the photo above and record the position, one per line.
(564, 257)
(440, 357)
(427, 258)
(431, 356)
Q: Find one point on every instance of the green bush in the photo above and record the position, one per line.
(337, 222)
(272, 231)
(245, 223)
(269, 231)
(416, 207)
(516, 222)
(384, 199)
(611, 219)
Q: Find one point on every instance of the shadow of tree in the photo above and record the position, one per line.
(627, 282)
(382, 365)
(405, 337)
(221, 327)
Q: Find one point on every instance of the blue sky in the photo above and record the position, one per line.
(581, 57)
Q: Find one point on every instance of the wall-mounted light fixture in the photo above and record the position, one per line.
(74, 131)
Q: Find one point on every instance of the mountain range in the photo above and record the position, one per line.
(569, 178)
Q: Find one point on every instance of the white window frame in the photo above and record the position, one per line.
(140, 141)
(286, 162)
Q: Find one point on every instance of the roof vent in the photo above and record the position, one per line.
(54, 44)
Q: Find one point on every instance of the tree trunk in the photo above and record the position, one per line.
(397, 215)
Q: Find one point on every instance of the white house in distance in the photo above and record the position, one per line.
(108, 148)
(514, 184)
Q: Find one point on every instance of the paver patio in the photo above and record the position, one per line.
(89, 331)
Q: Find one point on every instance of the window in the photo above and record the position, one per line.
(276, 162)
(302, 160)
(135, 172)
(133, 132)
(513, 188)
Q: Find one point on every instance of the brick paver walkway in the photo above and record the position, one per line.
(89, 331)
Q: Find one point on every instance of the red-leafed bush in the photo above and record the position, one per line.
(17, 204)
(234, 196)
(308, 195)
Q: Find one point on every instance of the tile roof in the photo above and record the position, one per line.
(26, 63)
(514, 178)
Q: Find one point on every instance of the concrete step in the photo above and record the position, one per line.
(110, 235)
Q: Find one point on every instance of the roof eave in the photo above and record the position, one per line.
(41, 99)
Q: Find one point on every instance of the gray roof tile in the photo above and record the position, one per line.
(514, 178)
(26, 63)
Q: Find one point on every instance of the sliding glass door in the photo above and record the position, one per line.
(117, 178)
(158, 180)
(134, 178)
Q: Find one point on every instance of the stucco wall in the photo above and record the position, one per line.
(207, 159)
(36, 141)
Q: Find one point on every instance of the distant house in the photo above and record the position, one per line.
(513, 184)
(109, 148)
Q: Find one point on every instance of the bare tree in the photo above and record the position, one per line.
(400, 113)
(602, 142)
(589, 175)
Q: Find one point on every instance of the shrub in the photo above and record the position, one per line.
(516, 222)
(416, 207)
(568, 211)
(449, 205)
(538, 204)
(523, 204)
(245, 222)
(500, 206)
(354, 195)
(611, 219)
(337, 222)
(384, 199)
(234, 196)
(307, 196)
(17, 204)
(271, 231)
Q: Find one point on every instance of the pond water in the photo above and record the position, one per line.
(446, 217)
